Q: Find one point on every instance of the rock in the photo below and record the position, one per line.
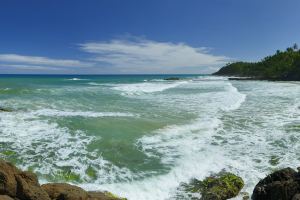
(245, 195)
(296, 197)
(219, 187)
(8, 183)
(29, 187)
(103, 196)
(5, 197)
(282, 184)
(23, 185)
(5, 110)
(63, 191)
(172, 79)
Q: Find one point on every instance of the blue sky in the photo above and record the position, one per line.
(139, 36)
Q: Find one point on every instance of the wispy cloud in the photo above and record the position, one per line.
(36, 62)
(143, 55)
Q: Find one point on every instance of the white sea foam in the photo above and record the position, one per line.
(95, 84)
(142, 88)
(241, 127)
(186, 148)
(77, 79)
(50, 148)
(61, 113)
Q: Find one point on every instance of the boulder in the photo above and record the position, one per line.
(282, 184)
(23, 185)
(64, 191)
(28, 187)
(221, 186)
(8, 183)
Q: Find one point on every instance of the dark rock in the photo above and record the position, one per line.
(5, 110)
(172, 79)
(218, 187)
(63, 191)
(296, 197)
(282, 184)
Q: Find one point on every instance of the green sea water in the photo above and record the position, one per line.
(140, 136)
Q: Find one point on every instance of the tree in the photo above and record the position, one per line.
(295, 46)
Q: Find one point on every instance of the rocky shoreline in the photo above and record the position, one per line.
(16, 184)
(283, 184)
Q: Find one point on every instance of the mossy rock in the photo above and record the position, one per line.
(5, 109)
(113, 196)
(68, 176)
(91, 172)
(8, 152)
(219, 187)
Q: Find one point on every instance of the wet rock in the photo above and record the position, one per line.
(22, 185)
(63, 191)
(8, 183)
(5, 110)
(28, 187)
(103, 196)
(282, 184)
(218, 187)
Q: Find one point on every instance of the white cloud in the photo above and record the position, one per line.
(150, 56)
(41, 61)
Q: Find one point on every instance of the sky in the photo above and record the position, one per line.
(141, 36)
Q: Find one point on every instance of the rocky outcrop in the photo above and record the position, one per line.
(22, 185)
(221, 186)
(283, 184)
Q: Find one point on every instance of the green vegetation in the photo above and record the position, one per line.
(219, 187)
(284, 65)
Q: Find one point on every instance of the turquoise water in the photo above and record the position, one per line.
(140, 136)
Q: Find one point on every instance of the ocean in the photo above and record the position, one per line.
(141, 137)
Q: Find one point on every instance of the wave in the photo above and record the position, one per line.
(143, 88)
(235, 99)
(187, 149)
(61, 113)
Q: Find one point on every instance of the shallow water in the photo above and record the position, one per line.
(141, 136)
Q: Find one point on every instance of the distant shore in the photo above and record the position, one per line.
(282, 66)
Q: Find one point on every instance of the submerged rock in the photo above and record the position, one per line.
(22, 185)
(172, 79)
(219, 187)
(5, 109)
(283, 184)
